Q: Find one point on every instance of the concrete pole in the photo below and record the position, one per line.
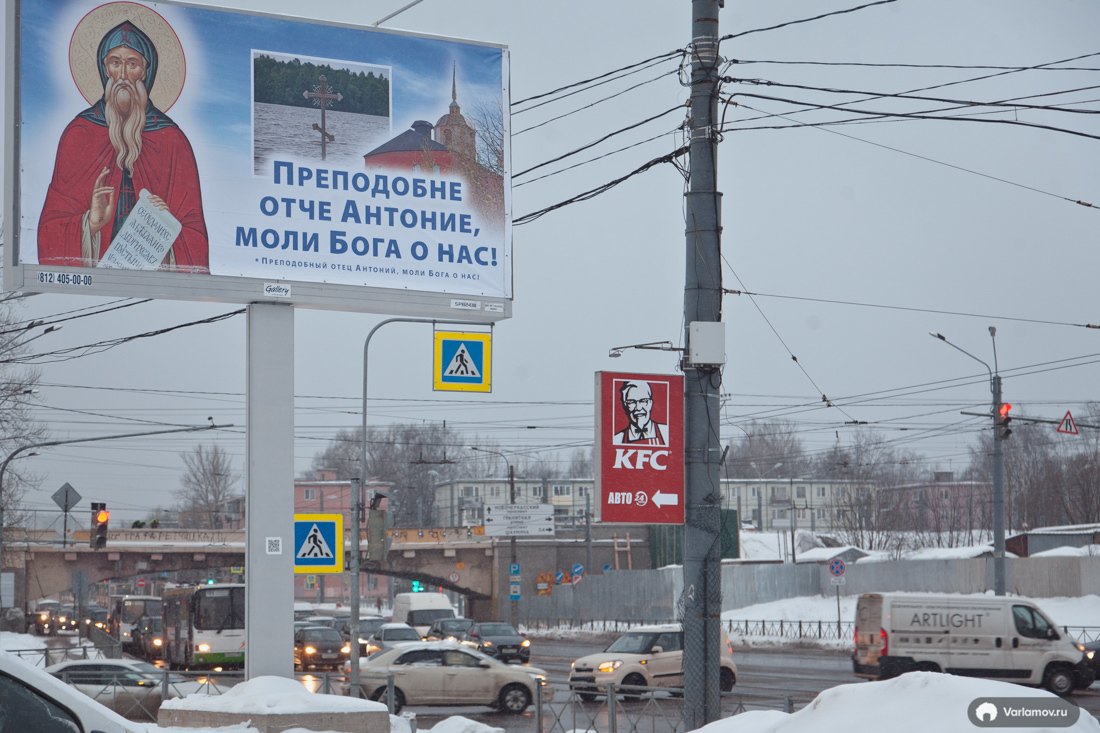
(269, 492)
(512, 541)
(998, 492)
(321, 576)
(588, 534)
(702, 302)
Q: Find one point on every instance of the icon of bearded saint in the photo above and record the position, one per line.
(115, 148)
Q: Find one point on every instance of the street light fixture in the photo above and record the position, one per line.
(616, 352)
(998, 462)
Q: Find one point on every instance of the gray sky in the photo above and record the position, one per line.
(807, 213)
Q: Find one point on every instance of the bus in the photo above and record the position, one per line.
(126, 612)
(204, 627)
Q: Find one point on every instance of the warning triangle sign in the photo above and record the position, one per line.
(1068, 425)
(461, 365)
(315, 545)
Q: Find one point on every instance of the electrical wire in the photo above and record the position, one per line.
(805, 20)
(659, 58)
(598, 157)
(913, 66)
(36, 324)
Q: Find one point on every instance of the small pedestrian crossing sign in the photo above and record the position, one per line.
(463, 362)
(318, 543)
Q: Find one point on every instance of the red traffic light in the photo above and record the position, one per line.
(102, 516)
(1004, 409)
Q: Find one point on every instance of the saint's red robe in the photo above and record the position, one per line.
(166, 167)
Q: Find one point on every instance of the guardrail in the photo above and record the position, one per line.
(53, 655)
(843, 631)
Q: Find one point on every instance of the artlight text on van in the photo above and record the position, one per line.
(954, 620)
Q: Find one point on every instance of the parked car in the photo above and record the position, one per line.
(319, 646)
(1004, 638)
(149, 638)
(130, 688)
(448, 629)
(498, 640)
(443, 673)
(32, 700)
(389, 634)
(647, 656)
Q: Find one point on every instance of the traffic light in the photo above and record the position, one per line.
(97, 538)
(417, 588)
(1003, 431)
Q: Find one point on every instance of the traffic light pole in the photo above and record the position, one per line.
(999, 436)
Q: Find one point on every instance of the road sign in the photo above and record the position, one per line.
(66, 497)
(836, 567)
(519, 520)
(463, 362)
(559, 577)
(1066, 426)
(453, 577)
(606, 567)
(513, 568)
(237, 569)
(577, 579)
(838, 580)
(318, 543)
(141, 582)
(578, 569)
(513, 592)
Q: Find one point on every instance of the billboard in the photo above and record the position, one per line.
(640, 447)
(182, 152)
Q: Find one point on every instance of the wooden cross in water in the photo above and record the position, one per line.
(323, 97)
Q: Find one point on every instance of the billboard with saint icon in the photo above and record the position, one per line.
(183, 152)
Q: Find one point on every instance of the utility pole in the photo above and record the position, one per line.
(1000, 432)
(702, 302)
(512, 539)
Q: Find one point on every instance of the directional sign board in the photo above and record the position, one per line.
(66, 497)
(519, 520)
(463, 362)
(318, 543)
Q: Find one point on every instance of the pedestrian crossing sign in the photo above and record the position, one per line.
(463, 362)
(318, 543)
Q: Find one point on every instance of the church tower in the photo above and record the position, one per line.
(453, 131)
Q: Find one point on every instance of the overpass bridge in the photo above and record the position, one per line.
(460, 559)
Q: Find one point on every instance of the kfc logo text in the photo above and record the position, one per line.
(655, 458)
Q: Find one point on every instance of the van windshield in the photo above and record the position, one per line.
(427, 616)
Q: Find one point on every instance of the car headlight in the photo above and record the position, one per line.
(310, 650)
(487, 643)
(1090, 654)
(610, 666)
(346, 650)
(157, 642)
(204, 647)
(572, 665)
(62, 619)
(526, 642)
(1080, 647)
(44, 616)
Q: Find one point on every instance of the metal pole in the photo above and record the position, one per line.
(321, 576)
(998, 492)
(588, 534)
(512, 542)
(702, 302)
(353, 602)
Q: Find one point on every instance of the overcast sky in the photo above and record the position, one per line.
(905, 213)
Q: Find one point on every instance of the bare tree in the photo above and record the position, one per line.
(206, 485)
(18, 427)
(487, 119)
(768, 449)
(580, 463)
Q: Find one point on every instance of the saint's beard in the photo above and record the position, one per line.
(124, 128)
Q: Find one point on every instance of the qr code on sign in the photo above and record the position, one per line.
(274, 545)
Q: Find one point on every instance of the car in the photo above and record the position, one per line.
(67, 619)
(94, 616)
(389, 634)
(316, 647)
(149, 637)
(646, 656)
(328, 621)
(130, 688)
(448, 629)
(31, 700)
(498, 639)
(441, 673)
(367, 626)
(44, 619)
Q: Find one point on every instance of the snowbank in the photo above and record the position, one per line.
(459, 724)
(913, 703)
(271, 696)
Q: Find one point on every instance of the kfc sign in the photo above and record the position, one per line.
(640, 447)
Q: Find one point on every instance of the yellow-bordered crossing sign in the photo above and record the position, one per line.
(463, 362)
(318, 543)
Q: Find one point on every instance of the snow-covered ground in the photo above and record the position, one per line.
(913, 703)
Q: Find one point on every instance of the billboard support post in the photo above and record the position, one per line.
(269, 491)
(702, 302)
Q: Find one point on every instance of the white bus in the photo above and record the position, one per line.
(204, 627)
(125, 614)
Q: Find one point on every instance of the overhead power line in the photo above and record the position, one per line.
(913, 66)
(585, 82)
(805, 20)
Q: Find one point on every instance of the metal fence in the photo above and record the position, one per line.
(843, 631)
(49, 656)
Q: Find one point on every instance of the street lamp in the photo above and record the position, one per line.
(616, 352)
(998, 463)
(512, 539)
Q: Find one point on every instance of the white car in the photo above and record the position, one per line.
(130, 688)
(647, 656)
(31, 700)
(445, 673)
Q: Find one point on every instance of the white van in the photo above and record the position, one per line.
(421, 610)
(999, 638)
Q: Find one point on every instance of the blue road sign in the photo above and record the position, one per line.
(462, 362)
(836, 567)
(513, 568)
(607, 567)
(513, 591)
(559, 577)
(578, 569)
(318, 545)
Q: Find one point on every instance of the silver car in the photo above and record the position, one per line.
(130, 688)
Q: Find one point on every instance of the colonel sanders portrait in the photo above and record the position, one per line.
(636, 398)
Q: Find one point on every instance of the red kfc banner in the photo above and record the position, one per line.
(640, 447)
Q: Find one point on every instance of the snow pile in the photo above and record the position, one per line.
(913, 703)
(271, 696)
(10, 642)
(1086, 551)
(459, 724)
